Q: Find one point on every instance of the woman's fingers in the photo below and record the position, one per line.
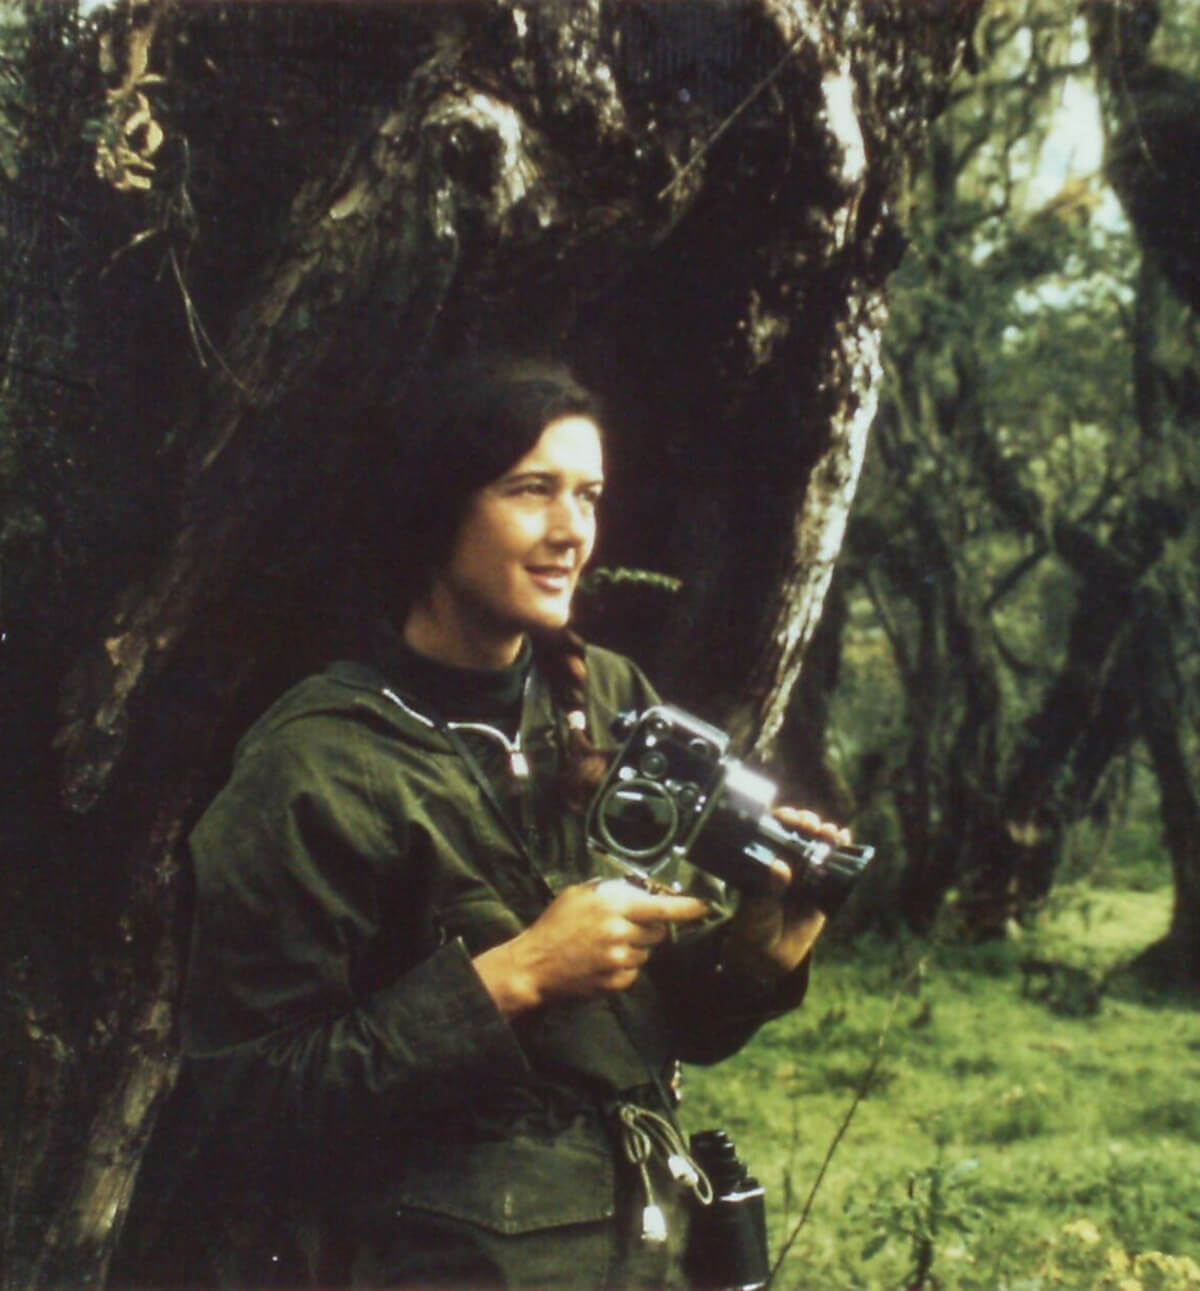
(649, 908)
(630, 954)
(635, 921)
(592, 938)
(808, 822)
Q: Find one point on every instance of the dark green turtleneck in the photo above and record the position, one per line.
(465, 694)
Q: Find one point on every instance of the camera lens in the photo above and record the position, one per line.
(637, 819)
(653, 763)
(701, 748)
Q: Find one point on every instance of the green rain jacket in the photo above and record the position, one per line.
(333, 1021)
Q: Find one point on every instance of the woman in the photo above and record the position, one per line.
(415, 1001)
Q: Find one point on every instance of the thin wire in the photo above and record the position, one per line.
(864, 1086)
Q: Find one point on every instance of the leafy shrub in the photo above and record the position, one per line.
(930, 1212)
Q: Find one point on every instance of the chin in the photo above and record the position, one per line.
(549, 620)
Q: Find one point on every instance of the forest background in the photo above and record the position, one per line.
(979, 287)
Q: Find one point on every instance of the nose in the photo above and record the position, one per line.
(572, 522)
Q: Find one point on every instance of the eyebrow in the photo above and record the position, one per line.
(518, 476)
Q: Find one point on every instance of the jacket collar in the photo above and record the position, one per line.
(417, 723)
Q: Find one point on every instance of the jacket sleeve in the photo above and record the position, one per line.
(713, 1012)
(298, 872)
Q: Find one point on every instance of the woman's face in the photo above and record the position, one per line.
(518, 553)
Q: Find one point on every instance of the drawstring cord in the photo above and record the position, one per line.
(644, 1134)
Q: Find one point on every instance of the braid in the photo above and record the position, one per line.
(561, 656)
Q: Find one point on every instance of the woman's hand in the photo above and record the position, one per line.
(592, 939)
(770, 935)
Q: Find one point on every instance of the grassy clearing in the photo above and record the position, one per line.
(1005, 1142)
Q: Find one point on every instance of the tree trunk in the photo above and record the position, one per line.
(541, 176)
(1149, 115)
(1173, 962)
(804, 755)
(1087, 717)
(819, 527)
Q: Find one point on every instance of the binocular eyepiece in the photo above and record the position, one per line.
(727, 1238)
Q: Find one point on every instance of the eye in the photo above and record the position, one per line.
(533, 488)
(591, 497)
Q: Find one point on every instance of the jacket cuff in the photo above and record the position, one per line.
(767, 997)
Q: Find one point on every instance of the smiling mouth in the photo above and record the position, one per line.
(550, 578)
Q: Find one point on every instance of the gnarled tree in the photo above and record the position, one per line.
(244, 233)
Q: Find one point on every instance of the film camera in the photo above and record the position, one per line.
(674, 793)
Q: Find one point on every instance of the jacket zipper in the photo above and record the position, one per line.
(518, 763)
(523, 831)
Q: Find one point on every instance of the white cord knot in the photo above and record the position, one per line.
(645, 1133)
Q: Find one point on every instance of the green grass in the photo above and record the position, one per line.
(1001, 1144)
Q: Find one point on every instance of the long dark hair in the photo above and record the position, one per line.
(476, 420)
